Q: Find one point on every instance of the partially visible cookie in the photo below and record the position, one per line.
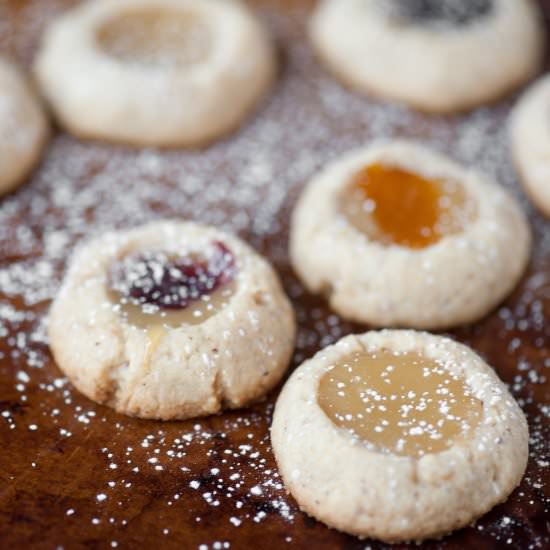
(398, 435)
(171, 320)
(530, 142)
(435, 55)
(397, 235)
(23, 128)
(164, 73)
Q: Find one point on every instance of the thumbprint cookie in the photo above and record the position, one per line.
(398, 435)
(155, 72)
(397, 235)
(171, 320)
(434, 55)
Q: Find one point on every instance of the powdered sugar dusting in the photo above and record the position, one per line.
(217, 475)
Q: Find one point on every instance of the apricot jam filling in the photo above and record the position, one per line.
(401, 404)
(156, 37)
(395, 206)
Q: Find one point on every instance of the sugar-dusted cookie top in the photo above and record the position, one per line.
(398, 435)
(438, 56)
(168, 73)
(171, 320)
(416, 240)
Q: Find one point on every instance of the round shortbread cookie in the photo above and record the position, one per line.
(530, 141)
(434, 55)
(369, 490)
(382, 279)
(171, 320)
(23, 128)
(155, 72)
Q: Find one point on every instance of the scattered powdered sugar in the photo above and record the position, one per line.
(218, 474)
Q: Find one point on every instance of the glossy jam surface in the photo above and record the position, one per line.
(455, 12)
(394, 206)
(406, 404)
(155, 37)
(153, 288)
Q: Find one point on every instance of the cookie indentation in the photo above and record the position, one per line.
(455, 12)
(154, 288)
(395, 206)
(156, 37)
(403, 404)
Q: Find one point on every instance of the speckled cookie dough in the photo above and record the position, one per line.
(171, 320)
(437, 56)
(530, 141)
(23, 127)
(379, 483)
(415, 240)
(155, 72)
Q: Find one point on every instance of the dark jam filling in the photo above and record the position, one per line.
(456, 12)
(157, 279)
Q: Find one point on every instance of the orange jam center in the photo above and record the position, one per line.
(401, 404)
(394, 206)
(156, 37)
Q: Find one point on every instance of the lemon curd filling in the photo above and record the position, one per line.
(401, 404)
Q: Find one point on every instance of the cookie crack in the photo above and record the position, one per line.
(115, 387)
(218, 389)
